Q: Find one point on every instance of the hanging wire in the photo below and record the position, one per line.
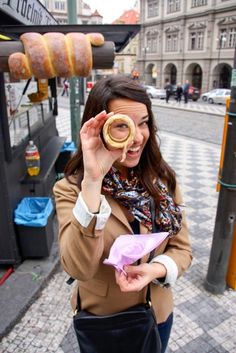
(226, 185)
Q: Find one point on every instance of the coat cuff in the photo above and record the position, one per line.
(84, 216)
(171, 268)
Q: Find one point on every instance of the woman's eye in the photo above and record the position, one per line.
(121, 126)
(144, 123)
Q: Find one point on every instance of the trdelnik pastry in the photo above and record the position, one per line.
(118, 132)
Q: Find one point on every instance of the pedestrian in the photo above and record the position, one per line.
(179, 92)
(103, 196)
(168, 89)
(65, 87)
(186, 91)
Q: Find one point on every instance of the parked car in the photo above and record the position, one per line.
(206, 95)
(154, 92)
(219, 96)
(193, 93)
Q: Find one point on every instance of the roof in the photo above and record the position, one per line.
(97, 14)
(118, 33)
(128, 17)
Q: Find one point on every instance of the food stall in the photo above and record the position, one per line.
(28, 109)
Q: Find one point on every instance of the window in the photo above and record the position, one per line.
(152, 42)
(232, 37)
(59, 5)
(196, 3)
(173, 6)
(152, 8)
(196, 40)
(227, 38)
(172, 42)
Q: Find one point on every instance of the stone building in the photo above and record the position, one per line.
(58, 8)
(187, 39)
(126, 61)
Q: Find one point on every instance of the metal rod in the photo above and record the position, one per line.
(226, 210)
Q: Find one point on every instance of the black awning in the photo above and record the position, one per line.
(120, 34)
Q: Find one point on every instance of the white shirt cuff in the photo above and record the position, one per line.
(171, 268)
(84, 216)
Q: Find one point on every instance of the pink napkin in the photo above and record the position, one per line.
(128, 248)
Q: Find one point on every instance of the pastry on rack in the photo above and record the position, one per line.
(54, 54)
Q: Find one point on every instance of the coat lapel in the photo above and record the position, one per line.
(116, 211)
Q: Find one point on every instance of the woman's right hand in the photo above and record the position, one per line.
(96, 157)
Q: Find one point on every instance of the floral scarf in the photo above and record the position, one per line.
(131, 194)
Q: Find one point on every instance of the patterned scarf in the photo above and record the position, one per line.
(131, 194)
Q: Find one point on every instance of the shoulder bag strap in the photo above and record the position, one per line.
(154, 230)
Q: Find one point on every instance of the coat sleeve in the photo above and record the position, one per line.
(81, 248)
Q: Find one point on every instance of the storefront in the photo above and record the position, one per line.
(21, 120)
(24, 115)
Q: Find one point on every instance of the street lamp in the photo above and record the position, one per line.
(221, 40)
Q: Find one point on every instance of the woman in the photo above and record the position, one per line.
(101, 198)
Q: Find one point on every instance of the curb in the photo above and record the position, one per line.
(154, 103)
(23, 286)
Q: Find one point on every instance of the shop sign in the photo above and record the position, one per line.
(28, 12)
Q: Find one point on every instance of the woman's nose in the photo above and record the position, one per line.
(138, 138)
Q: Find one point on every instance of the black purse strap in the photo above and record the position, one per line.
(151, 255)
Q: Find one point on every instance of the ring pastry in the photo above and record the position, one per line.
(124, 141)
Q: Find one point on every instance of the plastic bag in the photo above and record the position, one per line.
(128, 248)
(33, 211)
(68, 147)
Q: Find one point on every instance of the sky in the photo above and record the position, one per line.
(110, 9)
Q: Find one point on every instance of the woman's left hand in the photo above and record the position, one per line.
(138, 277)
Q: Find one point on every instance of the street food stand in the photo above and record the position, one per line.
(35, 120)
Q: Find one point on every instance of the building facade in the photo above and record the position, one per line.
(126, 61)
(187, 40)
(58, 8)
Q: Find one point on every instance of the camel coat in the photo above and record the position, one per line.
(83, 250)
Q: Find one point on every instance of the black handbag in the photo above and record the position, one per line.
(131, 331)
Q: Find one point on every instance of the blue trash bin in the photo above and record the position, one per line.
(65, 155)
(34, 222)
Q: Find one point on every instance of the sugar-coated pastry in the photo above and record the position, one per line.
(96, 39)
(54, 55)
(81, 54)
(118, 132)
(59, 53)
(19, 66)
(37, 53)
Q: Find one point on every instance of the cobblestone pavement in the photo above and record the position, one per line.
(202, 322)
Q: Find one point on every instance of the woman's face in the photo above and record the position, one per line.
(139, 114)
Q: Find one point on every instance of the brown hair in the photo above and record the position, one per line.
(151, 164)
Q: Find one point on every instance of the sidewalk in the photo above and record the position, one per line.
(202, 322)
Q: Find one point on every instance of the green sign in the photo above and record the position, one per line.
(233, 78)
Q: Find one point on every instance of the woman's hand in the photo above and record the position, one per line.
(139, 276)
(97, 158)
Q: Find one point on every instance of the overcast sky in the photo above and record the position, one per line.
(110, 9)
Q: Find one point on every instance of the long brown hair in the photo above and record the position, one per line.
(151, 164)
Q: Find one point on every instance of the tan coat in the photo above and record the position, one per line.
(84, 249)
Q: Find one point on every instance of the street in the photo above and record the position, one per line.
(190, 142)
(192, 124)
